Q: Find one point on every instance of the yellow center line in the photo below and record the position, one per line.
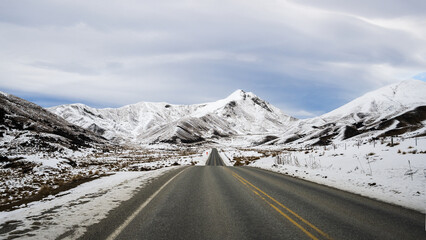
(248, 184)
(279, 211)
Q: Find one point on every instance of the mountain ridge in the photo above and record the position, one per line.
(374, 114)
(26, 127)
(370, 115)
(164, 122)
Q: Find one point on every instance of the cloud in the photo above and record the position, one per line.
(310, 56)
(378, 8)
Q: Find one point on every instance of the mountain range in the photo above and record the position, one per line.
(241, 113)
(397, 109)
(392, 110)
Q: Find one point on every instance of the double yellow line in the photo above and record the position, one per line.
(280, 208)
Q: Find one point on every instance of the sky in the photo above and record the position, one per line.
(306, 57)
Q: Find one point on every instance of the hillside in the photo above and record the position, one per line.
(28, 128)
(392, 110)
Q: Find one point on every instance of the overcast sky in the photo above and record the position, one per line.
(306, 57)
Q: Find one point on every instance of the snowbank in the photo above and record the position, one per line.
(395, 174)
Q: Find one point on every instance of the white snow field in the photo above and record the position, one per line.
(395, 174)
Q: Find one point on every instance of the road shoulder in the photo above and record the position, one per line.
(70, 213)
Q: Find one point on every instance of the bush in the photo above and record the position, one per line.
(44, 190)
(391, 145)
(238, 163)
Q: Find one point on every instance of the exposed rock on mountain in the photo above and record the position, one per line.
(28, 128)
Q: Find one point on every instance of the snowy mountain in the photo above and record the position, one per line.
(241, 113)
(392, 110)
(28, 128)
(382, 103)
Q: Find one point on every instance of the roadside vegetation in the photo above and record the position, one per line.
(28, 178)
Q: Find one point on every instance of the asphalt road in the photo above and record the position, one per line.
(219, 202)
(214, 159)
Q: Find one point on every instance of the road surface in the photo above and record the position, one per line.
(220, 202)
(214, 159)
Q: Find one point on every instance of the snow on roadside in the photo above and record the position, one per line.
(225, 158)
(70, 213)
(395, 174)
(201, 159)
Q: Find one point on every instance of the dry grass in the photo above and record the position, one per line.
(30, 185)
(244, 160)
(392, 145)
(269, 153)
(13, 197)
(413, 151)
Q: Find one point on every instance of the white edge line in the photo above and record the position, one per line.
(140, 208)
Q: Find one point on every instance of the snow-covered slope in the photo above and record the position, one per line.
(391, 110)
(381, 103)
(240, 113)
(28, 128)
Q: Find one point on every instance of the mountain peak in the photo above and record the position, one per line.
(240, 113)
(240, 95)
(237, 94)
(239, 91)
(412, 85)
(390, 99)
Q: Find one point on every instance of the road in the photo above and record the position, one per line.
(220, 202)
(214, 159)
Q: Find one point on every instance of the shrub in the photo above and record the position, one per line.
(238, 163)
(44, 190)
(391, 145)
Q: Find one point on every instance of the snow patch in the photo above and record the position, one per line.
(395, 174)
